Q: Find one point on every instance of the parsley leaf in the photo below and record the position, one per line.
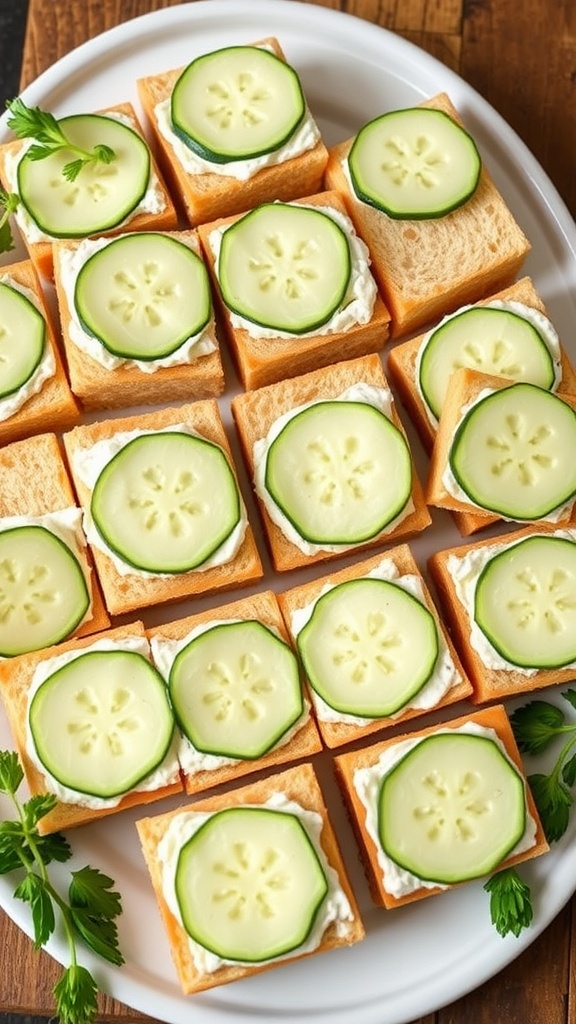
(33, 891)
(9, 201)
(49, 137)
(510, 902)
(75, 994)
(536, 725)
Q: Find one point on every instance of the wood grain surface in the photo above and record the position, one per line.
(522, 58)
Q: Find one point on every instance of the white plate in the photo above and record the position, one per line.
(426, 955)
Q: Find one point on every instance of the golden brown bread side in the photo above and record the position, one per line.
(262, 361)
(254, 413)
(402, 361)
(346, 765)
(40, 252)
(426, 268)
(335, 734)
(209, 195)
(299, 784)
(54, 406)
(127, 593)
(466, 385)
(264, 608)
(98, 387)
(33, 481)
(15, 679)
(490, 684)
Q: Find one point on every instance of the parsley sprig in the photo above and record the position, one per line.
(90, 910)
(537, 726)
(510, 902)
(49, 137)
(8, 203)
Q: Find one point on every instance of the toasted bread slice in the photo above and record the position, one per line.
(466, 386)
(297, 784)
(209, 195)
(98, 387)
(34, 481)
(347, 764)
(262, 361)
(262, 607)
(335, 733)
(402, 361)
(489, 683)
(426, 268)
(256, 411)
(125, 593)
(40, 251)
(15, 679)
(54, 406)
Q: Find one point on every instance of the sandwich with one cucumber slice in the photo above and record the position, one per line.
(93, 725)
(439, 233)
(274, 842)
(511, 605)
(440, 807)
(233, 130)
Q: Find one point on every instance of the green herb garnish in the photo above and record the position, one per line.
(510, 903)
(536, 726)
(8, 203)
(88, 912)
(40, 125)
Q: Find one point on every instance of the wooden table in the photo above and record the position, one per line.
(522, 58)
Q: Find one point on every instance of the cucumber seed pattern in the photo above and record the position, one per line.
(289, 265)
(250, 878)
(467, 804)
(142, 294)
(413, 162)
(168, 500)
(104, 719)
(496, 355)
(242, 686)
(242, 100)
(522, 449)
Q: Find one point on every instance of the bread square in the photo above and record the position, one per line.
(262, 360)
(455, 573)
(399, 566)
(16, 677)
(255, 412)
(53, 406)
(262, 608)
(298, 785)
(207, 194)
(100, 386)
(347, 765)
(127, 592)
(426, 268)
(40, 248)
(34, 483)
(402, 361)
(467, 386)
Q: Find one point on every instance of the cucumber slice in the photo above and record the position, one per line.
(513, 452)
(102, 195)
(488, 339)
(249, 884)
(368, 647)
(143, 295)
(102, 723)
(284, 266)
(525, 602)
(339, 471)
(43, 592)
(451, 809)
(236, 103)
(235, 690)
(414, 164)
(22, 339)
(166, 502)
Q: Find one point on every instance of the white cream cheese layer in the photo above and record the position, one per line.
(358, 303)
(465, 571)
(153, 201)
(534, 317)
(71, 263)
(379, 398)
(367, 781)
(192, 760)
(334, 910)
(453, 488)
(166, 773)
(88, 464)
(44, 371)
(444, 677)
